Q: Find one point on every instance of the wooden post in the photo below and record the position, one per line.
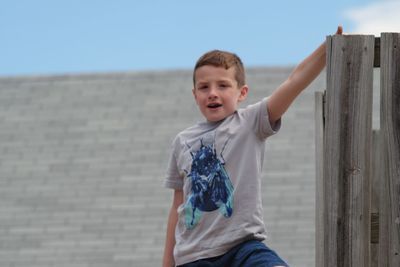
(347, 145)
(376, 194)
(390, 126)
(319, 184)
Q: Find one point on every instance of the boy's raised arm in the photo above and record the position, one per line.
(298, 80)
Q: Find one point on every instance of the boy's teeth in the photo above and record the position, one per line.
(214, 105)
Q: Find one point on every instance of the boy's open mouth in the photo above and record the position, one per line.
(214, 105)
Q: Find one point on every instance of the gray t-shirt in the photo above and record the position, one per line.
(218, 167)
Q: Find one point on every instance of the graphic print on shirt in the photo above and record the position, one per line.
(211, 188)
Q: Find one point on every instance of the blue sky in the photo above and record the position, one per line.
(76, 36)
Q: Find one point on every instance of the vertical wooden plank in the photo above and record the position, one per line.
(376, 179)
(319, 185)
(383, 248)
(347, 143)
(377, 52)
(390, 125)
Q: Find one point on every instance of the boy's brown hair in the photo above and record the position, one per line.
(224, 59)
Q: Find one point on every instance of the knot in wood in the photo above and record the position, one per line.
(354, 170)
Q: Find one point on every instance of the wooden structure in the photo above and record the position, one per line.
(358, 169)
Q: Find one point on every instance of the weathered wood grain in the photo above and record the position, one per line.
(376, 194)
(347, 144)
(390, 125)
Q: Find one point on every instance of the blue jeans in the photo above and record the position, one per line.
(251, 253)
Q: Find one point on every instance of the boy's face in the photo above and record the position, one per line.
(216, 92)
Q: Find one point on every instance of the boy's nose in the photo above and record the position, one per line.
(212, 94)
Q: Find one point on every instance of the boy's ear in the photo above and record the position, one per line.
(244, 90)
(194, 94)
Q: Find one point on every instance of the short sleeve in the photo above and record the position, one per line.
(267, 128)
(173, 177)
(257, 116)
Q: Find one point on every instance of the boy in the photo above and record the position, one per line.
(215, 166)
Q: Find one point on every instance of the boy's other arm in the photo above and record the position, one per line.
(298, 80)
(168, 260)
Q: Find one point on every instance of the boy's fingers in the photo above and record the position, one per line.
(339, 30)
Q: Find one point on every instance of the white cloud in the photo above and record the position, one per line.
(382, 16)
